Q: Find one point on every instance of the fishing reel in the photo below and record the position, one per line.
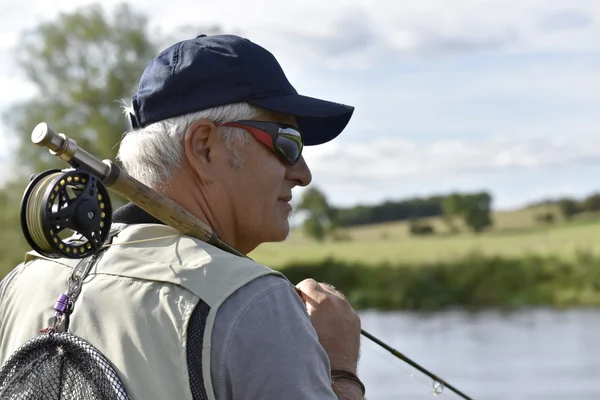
(66, 213)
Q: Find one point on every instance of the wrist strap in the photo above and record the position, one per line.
(339, 374)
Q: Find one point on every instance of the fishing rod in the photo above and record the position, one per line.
(436, 379)
(76, 199)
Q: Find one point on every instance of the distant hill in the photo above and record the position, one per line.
(433, 206)
(514, 234)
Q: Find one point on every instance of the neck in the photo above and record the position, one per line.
(203, 201)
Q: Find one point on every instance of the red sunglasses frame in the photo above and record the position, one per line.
(267, 133)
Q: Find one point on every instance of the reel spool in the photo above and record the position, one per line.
(66, 213)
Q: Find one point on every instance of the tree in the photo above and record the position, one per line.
(477, 213)
(591, 203)
(314, 228)
(12, 242)
(568, 207)
(453, 205)
(474, 209)
(81, 65)
(321, 219)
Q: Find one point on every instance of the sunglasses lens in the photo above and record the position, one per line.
(289, 143)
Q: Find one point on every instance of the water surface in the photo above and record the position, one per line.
(524, 355)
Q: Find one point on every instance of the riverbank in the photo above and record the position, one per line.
(381, 267)
(473, 282)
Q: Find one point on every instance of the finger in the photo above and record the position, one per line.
(313, 289)
(310, 293)
(331, 289)
(308, 285)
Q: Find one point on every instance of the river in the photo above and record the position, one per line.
(520, 355)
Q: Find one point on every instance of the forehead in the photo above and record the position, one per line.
(273, 116)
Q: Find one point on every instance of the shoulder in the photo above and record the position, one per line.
(262, 333)
(7, 281)
(260, 298)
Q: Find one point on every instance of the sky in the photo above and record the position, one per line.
(496, 95)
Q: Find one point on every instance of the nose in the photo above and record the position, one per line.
(299, 173)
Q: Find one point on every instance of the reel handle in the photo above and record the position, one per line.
(119, 181)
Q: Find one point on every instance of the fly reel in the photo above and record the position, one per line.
(66, 213)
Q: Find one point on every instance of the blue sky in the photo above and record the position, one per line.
(501, 96)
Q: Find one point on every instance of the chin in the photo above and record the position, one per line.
(279, 233)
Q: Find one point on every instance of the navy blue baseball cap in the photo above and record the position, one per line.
(210, 71)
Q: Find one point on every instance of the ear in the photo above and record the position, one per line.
(199, 142)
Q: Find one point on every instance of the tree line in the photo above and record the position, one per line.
(571, 207)
(323, 219)
(390, 211)
(474, 210)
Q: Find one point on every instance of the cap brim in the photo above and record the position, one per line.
(319, 120)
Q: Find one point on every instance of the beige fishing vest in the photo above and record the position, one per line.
(135, 305)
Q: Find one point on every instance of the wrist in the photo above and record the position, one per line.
(341, 362)
(339, 376)
(352, 368)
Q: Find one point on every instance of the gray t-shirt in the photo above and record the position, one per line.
(264, 346)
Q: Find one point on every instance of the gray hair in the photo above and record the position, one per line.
(152, 154)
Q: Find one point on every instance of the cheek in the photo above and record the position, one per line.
(263, 181)
(271, 187)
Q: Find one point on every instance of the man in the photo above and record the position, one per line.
(217, 127)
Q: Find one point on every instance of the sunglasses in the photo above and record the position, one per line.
(284, 140)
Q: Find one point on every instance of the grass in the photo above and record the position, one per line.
(504, 221)
(473, 282)
(515, 234)
(518, 263)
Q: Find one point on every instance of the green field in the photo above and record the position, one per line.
(514, 234)
(518, 263)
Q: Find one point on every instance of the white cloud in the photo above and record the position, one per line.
(388, 160)
(516, 171)
(406, 67)
(363, 33)
(353, 34)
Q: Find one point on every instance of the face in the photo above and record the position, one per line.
(259, 192)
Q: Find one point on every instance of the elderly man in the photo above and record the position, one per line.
(217, 127)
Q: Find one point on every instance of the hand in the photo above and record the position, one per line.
(335, 321)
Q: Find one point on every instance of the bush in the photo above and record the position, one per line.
(545, 218)
(420, 228)
(474, 282)
(339, 235)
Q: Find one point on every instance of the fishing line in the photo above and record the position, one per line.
(410, 374)
(409, 361)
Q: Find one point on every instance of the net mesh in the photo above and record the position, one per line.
(59, 366)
